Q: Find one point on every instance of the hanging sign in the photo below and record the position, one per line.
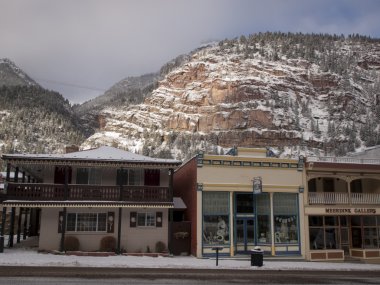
(257, 185)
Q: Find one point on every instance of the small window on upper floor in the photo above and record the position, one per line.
(128, 176)
(90, 176)
(152, 177)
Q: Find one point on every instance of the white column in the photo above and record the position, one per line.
(199, 224)
(232, 230)
(272, 222)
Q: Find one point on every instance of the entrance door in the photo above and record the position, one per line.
(244, 234)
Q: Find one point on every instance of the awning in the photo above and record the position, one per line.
(77, 204)
(179, 204)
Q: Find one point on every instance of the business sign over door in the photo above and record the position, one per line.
(348, 211)
(342, 211)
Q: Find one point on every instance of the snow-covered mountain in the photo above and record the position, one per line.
(295, 92)
(11, 75)
(292, 91)
(33, 119)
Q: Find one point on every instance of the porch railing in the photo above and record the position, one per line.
(328, 198)
(76, 192)
(365, 198)
(331, 198)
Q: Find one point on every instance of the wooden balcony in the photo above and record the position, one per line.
(337, 198)
(76, 192)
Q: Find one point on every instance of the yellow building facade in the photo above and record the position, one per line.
(249, 199)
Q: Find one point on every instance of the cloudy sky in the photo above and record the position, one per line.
(82, 47)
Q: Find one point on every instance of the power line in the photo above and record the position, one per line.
(70, 84)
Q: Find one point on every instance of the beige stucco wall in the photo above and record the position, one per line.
(50, 238)
(138, 239)
(273, 179)
(132, 239)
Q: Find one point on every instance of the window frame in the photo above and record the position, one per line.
(123, 176)
(90, 173)
(72, 225)
(148, 218)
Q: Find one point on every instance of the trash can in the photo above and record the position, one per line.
(257, 256)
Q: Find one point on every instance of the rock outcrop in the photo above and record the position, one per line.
(223, 97)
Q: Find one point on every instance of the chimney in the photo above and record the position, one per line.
(71, 148)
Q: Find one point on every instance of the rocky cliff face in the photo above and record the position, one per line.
(257, 92)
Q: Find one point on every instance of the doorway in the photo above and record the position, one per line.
(244, 234)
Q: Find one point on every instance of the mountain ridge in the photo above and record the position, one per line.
(12, 75)
(270, 89)
(300, 93)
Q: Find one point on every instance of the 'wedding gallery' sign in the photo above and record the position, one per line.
(350, 211)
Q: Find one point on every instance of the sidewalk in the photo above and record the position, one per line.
(25, 254)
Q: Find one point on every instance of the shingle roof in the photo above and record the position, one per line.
(103, 153)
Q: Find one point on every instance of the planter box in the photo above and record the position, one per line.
(365, 253)
(323, 255)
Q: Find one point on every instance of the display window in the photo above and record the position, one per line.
(324, 232)
(285, 209)
(216, 218)
(263, 219)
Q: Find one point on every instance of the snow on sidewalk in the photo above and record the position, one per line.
(29, 257)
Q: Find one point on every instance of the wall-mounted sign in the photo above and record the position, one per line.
(350, 211)
(257, 185)
(330, 211)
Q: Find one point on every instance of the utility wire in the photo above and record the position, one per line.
(70, 84)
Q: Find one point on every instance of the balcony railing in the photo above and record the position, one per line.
(365, 198)
(76, 192)
(337, 198)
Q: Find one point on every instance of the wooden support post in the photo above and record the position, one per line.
(62, 243)
(66, 189)
(11, 227)
(25, 223)
(2, 230)
(16, 175)
(118, 250)
(8, 177)
(170, 211)
(19, 224)
(119, 231)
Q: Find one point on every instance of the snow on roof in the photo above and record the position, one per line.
(103, 153)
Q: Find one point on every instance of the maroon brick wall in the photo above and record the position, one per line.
(185, 186)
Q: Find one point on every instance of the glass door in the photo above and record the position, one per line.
(244, 234)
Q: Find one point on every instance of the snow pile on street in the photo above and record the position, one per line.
(29, 257)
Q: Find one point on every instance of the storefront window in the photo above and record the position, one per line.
(324, 232)
(216, 218)
(263, 218)
(285, 207)
(365, 231)
(370, 232)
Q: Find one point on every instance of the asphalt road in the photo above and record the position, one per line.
(12, 275)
